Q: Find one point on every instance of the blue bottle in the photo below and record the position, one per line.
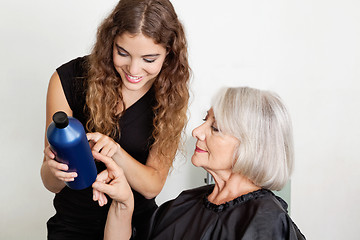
(68, 141)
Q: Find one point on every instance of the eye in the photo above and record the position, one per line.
(122, 53)
(149, 60)
(215, 129)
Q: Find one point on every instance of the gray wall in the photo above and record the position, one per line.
(307, 51)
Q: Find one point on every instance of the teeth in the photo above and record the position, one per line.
(132, 77)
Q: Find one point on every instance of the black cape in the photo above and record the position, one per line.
(256, 215)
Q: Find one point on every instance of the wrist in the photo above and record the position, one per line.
(118, 148)
(127, 205)
(119, 154)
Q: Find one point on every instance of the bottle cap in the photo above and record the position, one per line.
(61, 119)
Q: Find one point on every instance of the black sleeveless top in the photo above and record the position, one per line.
(76, 212)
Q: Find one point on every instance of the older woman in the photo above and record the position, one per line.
(245, 143)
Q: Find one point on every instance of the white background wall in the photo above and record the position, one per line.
(307, 51)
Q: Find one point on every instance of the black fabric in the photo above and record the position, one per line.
(77, 215)
(254, 216)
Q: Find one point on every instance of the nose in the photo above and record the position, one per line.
(199, 132)
(134, 67)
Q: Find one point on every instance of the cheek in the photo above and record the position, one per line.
(118, 61)
(115, 57)
(155, 67)
(223, 155)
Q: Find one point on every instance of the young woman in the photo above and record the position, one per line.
(131, 94)
(246, 144)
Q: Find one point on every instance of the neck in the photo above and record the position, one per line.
(131, 97)
(230, 186)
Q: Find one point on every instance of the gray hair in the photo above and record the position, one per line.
(261, 122)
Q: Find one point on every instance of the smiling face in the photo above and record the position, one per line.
(214, 150)
(138, 60)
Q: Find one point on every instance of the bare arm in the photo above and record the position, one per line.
(112, 181)
(118, 222)
(146, 179)
(52, 172)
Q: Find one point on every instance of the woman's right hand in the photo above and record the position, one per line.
(102, 144)
(56, 168)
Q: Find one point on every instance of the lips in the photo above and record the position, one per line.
(199, 150)
(133, 79)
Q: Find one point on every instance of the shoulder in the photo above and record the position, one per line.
(270, 218)
(73, 81)
(74, 68)
(182, 203)
(168, 215)
(264, 205)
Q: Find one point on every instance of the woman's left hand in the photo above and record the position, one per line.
(111, 181)
(102, 144)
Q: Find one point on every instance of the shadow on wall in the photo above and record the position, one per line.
(285, 194)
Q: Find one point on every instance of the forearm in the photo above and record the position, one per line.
(144, 179)
(118, 223)
(50, 182)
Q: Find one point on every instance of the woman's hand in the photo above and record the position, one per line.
(58, 169)
(102, 144)
(112, 181)
(106, 146)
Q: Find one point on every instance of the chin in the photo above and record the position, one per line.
(195, 162)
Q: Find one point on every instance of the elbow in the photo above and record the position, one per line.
(53, 190)
(50, 187)
(152, 188)
(152, 193)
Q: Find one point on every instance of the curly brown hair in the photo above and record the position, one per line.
(155, 19)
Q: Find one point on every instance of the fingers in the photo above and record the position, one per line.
(110, 164)
(100, 197)
(56, 165)
(103, 176)
(114, 184)
(59, 171)
(102, 188)
(97, 139)
(103, 200)
(96, 194)
(102, 143)
(65, 176)
(48, 153)
(94, 136)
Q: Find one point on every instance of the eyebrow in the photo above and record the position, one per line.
(144, 56)
(207, 115)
